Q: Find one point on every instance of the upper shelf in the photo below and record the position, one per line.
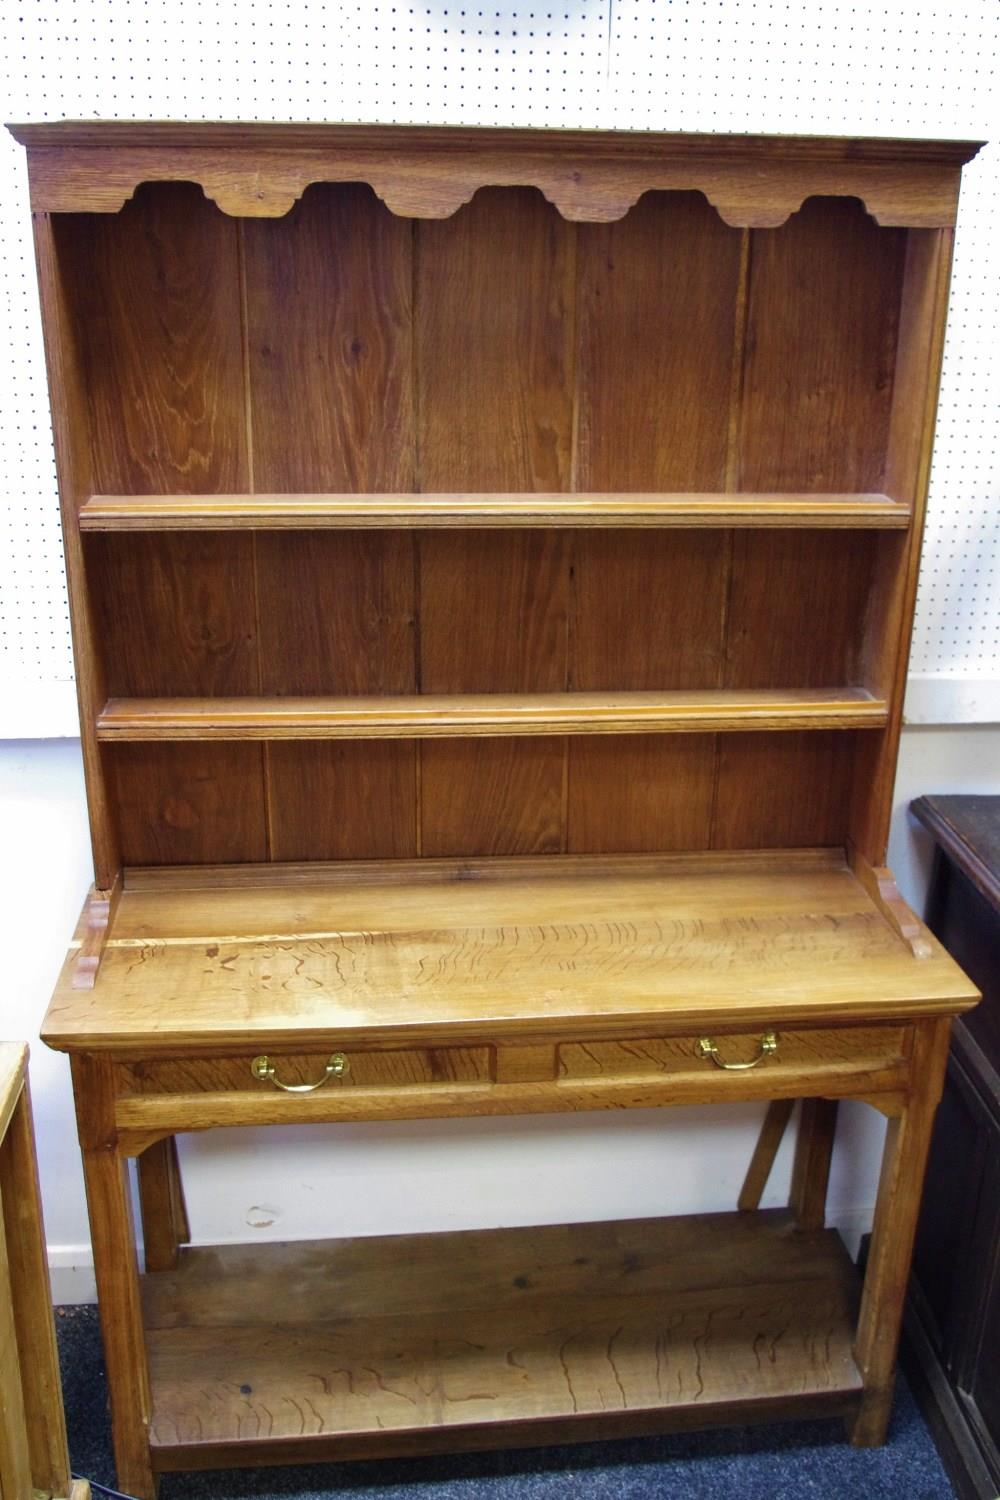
(491, 714)
(424, 172)
(289, 512)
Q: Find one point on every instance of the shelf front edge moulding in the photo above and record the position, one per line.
(428, 717)
(288, 512)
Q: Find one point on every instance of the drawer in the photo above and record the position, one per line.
(352, 1068)
(855, 1049)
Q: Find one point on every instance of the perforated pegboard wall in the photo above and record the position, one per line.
(924, 68)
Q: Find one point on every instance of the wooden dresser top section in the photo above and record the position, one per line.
(459, 951)
(428, 172)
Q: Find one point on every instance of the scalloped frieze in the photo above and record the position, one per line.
(588, 188)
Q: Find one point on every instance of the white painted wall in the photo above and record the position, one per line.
(377, 1179)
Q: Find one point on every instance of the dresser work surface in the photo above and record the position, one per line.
(443, 951)
(491, 557)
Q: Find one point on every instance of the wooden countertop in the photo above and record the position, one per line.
(439, 950)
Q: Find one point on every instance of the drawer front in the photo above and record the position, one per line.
(855, 1049)
(352, 1068)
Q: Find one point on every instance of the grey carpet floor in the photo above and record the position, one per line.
(800, 1460)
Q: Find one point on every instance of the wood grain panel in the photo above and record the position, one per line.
(647, 611)
(798, 609)
(823, 316)
(493, 357)
(329, 337)
(336, 613)
(175, 613)
(189, 804)
(493, 612)
(657, 311)
(343, 800)
(492, 796)
(638, 795)
(156, 293)
(782, 791)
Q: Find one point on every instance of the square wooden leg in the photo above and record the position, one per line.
(896, 1209)
(116, 1268)
(161, 1203)
(811, 1164)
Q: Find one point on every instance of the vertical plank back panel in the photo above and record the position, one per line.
(797, 608)
(782, 791)
(482, 797)
(342, 800)
(175, 612)
(329, 370)
(658, 326)
(657, 305)
(329, 344)
(647, 610)
(157, 306)
(493, 612)
(156, 299)
(640, 794)
(493, 325)
(823, 314)
(493, 328)
(190, 803)
(336, 612)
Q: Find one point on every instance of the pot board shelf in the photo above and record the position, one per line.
(431, 1343)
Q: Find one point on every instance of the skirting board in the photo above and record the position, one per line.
(952, 700)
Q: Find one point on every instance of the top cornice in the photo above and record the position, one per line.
(423, 171)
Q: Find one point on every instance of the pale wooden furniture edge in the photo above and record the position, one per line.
(284, 512)
(426, 716)
(32, 1423)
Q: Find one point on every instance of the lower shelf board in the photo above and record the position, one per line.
(429, 1343)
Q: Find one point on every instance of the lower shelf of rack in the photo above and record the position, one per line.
(425, 1343)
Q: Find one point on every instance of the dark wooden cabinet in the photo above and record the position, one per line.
(954, 1323)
